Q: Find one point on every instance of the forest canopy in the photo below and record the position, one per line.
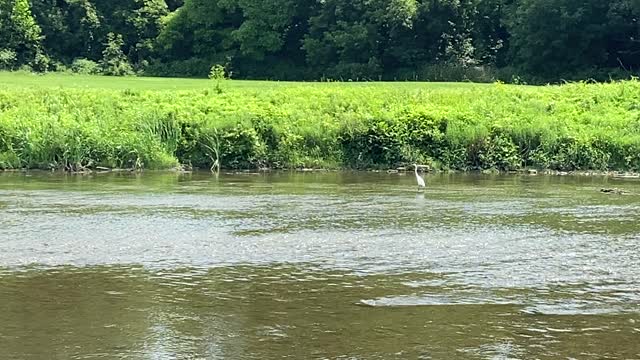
(437, 40)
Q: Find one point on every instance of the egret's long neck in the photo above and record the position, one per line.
(416, 170)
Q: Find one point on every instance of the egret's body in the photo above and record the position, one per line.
(419, 179)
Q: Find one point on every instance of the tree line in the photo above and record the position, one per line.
(511, 40)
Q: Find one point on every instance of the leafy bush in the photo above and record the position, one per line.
(41, 62)
(114, 61)
(7, 59)
(85, 67)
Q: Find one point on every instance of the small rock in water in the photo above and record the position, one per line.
(532, 172)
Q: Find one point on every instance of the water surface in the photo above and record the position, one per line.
(318, 265)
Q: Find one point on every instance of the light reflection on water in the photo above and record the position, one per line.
(334, 265)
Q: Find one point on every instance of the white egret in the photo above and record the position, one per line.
(419, 179)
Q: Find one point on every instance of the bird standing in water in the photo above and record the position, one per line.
(419, 179)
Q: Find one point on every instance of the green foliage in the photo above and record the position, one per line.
(7, 59)
(20, 34)
(85, 66)
(114, 62)
(568, 39)
(41, 62)
(217, 72)
(532, 41)
(27, 30)
(282, 125)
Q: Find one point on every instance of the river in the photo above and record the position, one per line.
(332, 265)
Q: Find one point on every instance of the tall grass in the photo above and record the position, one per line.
(569, 127)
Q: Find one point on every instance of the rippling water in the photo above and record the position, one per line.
(331, 265)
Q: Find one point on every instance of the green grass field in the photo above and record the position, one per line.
(9, 80)
(79, 122)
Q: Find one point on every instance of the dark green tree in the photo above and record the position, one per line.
(114, 61)
(20, 34)
(545, 40)
(557, 38)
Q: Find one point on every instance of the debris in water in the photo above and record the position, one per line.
(615, 191)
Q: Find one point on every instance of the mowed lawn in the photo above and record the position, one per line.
(56, 80)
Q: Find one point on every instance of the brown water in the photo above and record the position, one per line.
(318, 266)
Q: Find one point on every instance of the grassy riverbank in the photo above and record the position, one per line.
(71, 122)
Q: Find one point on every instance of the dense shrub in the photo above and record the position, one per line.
(7, 59)
(85, 66)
